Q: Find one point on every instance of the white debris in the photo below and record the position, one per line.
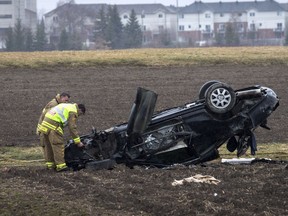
(197, 178)
(238, 160)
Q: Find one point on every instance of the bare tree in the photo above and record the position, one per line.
(62, 2)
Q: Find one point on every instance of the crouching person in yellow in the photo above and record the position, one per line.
(52, 126)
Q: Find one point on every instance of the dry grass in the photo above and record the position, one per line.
(30, 156)
(148, 57)
(275, 151)
(18, 156)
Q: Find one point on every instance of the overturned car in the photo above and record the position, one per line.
(188, 134)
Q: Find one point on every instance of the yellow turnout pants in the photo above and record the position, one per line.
(53, 147)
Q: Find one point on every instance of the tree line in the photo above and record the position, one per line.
(22, 39)
(108, 33)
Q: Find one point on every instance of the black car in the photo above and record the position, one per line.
(188, 134)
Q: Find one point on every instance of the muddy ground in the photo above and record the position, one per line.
(258, 189)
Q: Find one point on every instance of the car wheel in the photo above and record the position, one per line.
(204, 88)
(220, 98)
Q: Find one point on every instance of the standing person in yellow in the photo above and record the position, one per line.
(59, 98)
(52, 127)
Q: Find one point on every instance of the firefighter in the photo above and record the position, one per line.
(59, 98)
(64, 114)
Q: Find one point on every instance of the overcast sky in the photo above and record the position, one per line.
(45, 6)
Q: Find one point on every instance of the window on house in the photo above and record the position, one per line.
(252, 14)
(142, 16)
(5, 16)
(207, 28)
(279, 26)
(207, 15)
(181, 16)
(221, 27)
(279, 13)
(160, 15)
(161, 28)
(189, 26)
(239, 14)
(221, 15)
(239, 27)
(181, 27)
(125, 16)
(144, 28)
(55, 19)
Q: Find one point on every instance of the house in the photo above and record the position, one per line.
(11, 11)
(264, 20)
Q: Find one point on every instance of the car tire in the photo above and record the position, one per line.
(204, 88)
(220, 98)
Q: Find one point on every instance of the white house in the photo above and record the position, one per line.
(202, 21)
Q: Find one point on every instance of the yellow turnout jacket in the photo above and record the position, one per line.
(64, 114)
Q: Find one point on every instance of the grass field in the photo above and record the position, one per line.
(148, 57)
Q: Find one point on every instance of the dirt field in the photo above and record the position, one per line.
(258, 189)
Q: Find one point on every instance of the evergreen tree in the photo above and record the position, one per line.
(19, 39)
(132, 32)
(40, 38)
(114, 29)
(100, 30)
(100, 25)
(64, 41)
(9, 41)
(75, 42)
(29, 40)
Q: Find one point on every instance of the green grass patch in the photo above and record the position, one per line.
(147, 57)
